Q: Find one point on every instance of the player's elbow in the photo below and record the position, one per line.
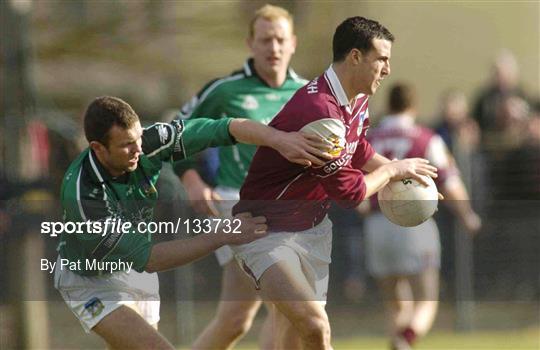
(150, 268)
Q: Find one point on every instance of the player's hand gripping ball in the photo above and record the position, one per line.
(332, 130)
(407, 202)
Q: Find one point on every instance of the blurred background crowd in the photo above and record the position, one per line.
(476, 68)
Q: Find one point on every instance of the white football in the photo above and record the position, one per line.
(407, 202)
(329, 129)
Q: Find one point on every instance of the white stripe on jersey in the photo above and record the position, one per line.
(236, 155)
(331, 87)
(296, 77)
(360, 110)
(247, 69)
(437, 152)
(94, 167)
(189, 107)
(289, 184)
(78, 190)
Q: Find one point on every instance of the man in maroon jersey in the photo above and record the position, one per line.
(291, 266)
(405, 261)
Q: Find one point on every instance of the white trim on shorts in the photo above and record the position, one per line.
(311, 248)
(230, 196)
(94, 297)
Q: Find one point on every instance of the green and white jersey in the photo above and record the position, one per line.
(90, 194)
(243, 94)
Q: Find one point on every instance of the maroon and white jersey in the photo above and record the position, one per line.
(296, 198)
(399, 137)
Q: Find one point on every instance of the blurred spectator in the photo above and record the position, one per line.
(458, 130)
(519, 176)
(504, 82)
(509, 126)
(461, 134)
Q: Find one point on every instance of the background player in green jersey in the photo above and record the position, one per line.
(257, 91)
(114, 179)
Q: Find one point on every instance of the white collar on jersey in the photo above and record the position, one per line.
(397, 120)
(337, 88)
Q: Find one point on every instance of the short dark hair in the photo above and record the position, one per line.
(103, 113)
(357, 33)
(402, 97)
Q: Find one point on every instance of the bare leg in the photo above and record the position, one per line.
(425, 287)
(237, 308)
(270, 329)
(398, 302)
(125, 329)
(285, 285)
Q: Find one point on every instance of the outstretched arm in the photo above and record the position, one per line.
(171, 254)
(397, 170)
(303, 149)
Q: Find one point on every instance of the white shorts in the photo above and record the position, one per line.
(311, 249)
(230, 197)
(395, 250)
(93, 298)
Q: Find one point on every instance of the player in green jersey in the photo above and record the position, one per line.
(114, 181)
(257, 91)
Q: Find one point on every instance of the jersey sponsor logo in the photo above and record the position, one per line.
(335, 165)
(148, 187)
(107, 244)
(312, 87)
(363, 116)
(250, 102)
(94, 306)
(94, 193)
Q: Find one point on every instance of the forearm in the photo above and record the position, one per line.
(376, 180)
(375, 162)
(172, 254)
(457, 198)
(250, 132)
(378, 175)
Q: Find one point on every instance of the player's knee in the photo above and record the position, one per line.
(158, 344)
(238, 324)
(315, 329)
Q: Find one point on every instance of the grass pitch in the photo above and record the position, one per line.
(528, 339)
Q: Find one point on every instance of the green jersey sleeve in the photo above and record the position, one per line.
(202, 133)
(164, 141)
(183, 138)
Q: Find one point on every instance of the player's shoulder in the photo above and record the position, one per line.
(212, 92)
(79, 180)
(222, 84)
(296, 79)
(317, 95)
(425, 132)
